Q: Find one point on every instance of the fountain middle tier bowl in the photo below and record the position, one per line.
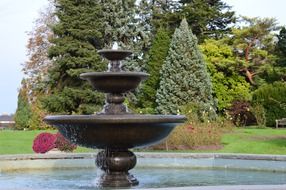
(114, 82)
(115, 131)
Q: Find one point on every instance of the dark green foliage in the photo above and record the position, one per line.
(77, 35)
(184, 77)
(281, 47)
(157, 56)
(278, 72)
(119, 22)
(273, 98)
(122, 24)
(165, 14)
(23, 113)
(207, 18)
(74, 100)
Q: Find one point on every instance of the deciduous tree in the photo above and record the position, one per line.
(227, 82)
(38, 63)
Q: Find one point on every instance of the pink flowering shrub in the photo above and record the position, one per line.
(63, 144)
(44, 142)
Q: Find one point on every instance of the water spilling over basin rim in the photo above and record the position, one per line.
(122, 118)
(122, 131)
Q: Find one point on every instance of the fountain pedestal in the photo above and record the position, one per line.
(115, 129)
(116, 164)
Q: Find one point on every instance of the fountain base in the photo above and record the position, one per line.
(117, 180)
(115, 165)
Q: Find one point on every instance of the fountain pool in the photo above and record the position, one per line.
(154, 170)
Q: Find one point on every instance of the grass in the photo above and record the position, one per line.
(255, 141)
(241, 140)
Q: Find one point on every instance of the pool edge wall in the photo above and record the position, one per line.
(146, 159)
(10, 163)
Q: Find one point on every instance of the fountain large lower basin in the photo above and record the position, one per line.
(115, 131)
(187, 171)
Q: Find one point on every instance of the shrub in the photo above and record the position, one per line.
(273, 98)
(198, 112)
(44, 142)
(63, 144)
(240, 113)
(259, 114)
(194, 136)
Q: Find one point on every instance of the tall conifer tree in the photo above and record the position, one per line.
(23, 113)
(78, 33)
(281, 47)
(157, 56)
(184, 77)
(122, 23)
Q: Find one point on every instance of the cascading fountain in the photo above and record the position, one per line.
(115, 129)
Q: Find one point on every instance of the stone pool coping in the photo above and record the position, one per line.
(274, 163)
(55, 156)
(10, 163)
(229, 187)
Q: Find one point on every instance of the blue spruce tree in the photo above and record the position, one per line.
(184, 76)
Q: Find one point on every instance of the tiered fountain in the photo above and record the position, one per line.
(115, 129)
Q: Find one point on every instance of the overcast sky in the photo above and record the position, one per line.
(17, 17)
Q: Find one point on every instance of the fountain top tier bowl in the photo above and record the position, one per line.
(114, 54)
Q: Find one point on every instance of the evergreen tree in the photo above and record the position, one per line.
(253, 45)
(78, 33)
(207, 18)
(23, 113)
(122, 23)
(184, 77)
(157, 56)
(281, 47)
(279, 70)
(119, 22)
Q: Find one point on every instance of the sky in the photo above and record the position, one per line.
(17, 18)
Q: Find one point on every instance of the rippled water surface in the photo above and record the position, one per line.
(149, 178)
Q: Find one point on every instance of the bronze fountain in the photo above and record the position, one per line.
(115, 129)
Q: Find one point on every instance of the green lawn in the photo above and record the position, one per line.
(243, 140)
(255, 141)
